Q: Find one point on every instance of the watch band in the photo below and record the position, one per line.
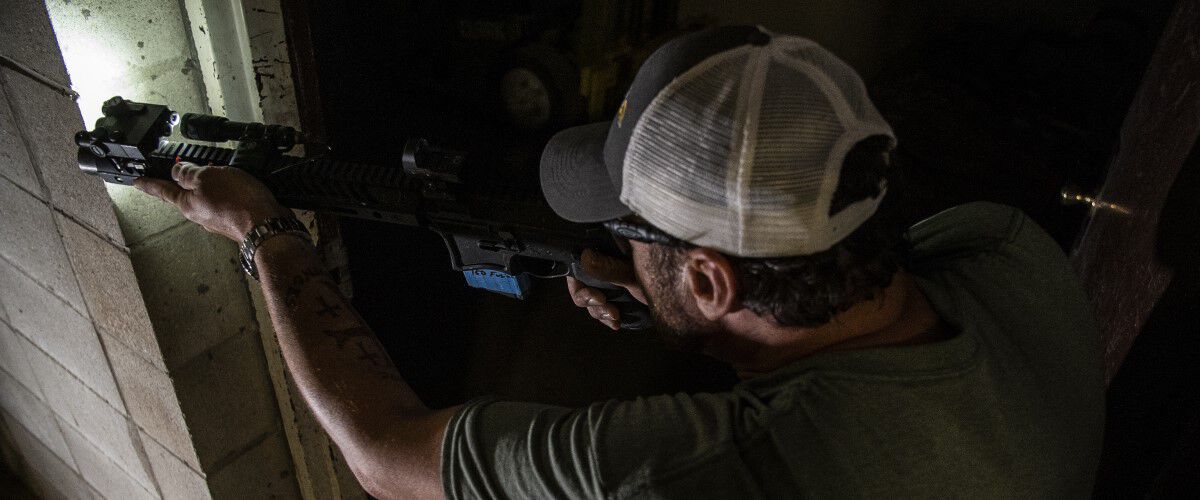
(264, 230)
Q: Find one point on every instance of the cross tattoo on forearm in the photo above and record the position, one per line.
(327, 309)
(368, 355)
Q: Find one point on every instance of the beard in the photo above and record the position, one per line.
(675, 327)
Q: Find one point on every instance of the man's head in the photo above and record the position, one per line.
(758, 160)
(694, 290)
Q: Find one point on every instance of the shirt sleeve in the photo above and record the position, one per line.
(499, 449)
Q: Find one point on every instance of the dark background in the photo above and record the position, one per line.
(1005, 101)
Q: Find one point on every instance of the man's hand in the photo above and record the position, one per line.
(616, 271)
(222, 200)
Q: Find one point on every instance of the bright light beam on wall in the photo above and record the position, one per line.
(96, 74)
(138, 49)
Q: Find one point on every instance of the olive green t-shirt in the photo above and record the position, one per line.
(1011, 406)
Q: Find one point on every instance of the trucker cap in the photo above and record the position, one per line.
(730, 138)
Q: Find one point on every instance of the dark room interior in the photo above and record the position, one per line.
(1004, 102)
(1081, 114)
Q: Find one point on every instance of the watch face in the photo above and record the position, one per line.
(526, 98)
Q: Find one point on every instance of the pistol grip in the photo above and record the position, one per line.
(635, 315)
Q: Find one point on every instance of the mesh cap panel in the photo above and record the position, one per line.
(743, 152)
(693, 138)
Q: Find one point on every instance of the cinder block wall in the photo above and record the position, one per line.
(130, 360)
(86, 402)
(205, 323)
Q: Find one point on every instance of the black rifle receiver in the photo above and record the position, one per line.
(498, 241)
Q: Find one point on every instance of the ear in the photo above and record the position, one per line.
(709, 277)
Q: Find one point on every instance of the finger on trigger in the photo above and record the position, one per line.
(573, 285)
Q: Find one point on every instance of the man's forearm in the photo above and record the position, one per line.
(391, 441)
(342, 370)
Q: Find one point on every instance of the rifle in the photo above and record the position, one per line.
(498, 240)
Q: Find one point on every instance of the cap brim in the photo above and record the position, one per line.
(575, 180)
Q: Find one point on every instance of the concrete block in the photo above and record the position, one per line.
(54, 119)
(30, 241)
(105, 427)
(227, 398)
(15, 352)
(57, 329)
(27, 37)
(25, 408)
(47, 474)
(150, 398)
(194, 290)
(14, 159)
(175, 479)
(110, 480)
(140, 215)
(111, 290)
(264, 471)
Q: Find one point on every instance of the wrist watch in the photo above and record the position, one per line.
(260, 233)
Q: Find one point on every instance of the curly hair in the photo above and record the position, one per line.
(810, 290)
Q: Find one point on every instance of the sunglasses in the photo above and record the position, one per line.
(636, 230)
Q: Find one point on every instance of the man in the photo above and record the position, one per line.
(745, 170)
